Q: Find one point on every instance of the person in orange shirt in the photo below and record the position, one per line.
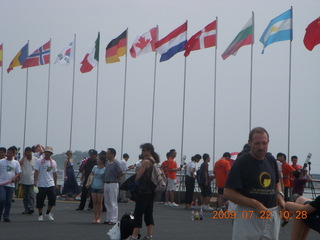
(221, 170)
(172, 178)
(287, 169)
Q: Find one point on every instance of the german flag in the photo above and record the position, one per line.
(117, 48)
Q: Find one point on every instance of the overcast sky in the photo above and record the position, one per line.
(38, 21)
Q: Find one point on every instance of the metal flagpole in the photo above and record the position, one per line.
(124, 93)
(215, 96)
(154, 89)
(72, 100)
(26, 106)
(289, 94)
(183, 104)
(251, 68)
(97, 90)
(48, 97)
(1, 97)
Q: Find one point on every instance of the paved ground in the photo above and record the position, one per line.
(171, 224)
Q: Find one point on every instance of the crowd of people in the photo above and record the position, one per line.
(256, 182)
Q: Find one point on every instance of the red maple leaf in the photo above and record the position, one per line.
(142, 43)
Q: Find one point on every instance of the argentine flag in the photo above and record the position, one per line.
(279, 29)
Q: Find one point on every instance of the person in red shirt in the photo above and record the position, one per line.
(172, 178)
(221, 170)
(287, 170)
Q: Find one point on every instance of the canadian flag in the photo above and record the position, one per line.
(144, 43)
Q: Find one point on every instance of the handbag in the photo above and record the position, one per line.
(129, 184)
(114, 232)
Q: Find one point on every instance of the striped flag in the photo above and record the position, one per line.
(91, 58)
(116, 48)
(173, 43)
(1, 55)
(279, 29)
(244, 37)
(20, 57)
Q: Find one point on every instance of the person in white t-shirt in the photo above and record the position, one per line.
(3, 152)
(27, 179)
(45, 178)
(190, 178)
(9, 172)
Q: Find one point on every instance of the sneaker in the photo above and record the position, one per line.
(49, 217)
(173, 204)
(167, 204)
(6, 220)
(208, 208)
(147, 238)
(40, 218)
(131, 238)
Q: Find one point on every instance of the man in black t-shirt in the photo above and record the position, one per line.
(91, 162)
(253, 184)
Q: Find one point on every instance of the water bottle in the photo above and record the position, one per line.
(201, 214)
(196, 216)
(192, 215)
(196, 203)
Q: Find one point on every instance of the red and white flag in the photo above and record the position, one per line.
(205, 38)
(39, 57)
(66, 55)
(144, 43)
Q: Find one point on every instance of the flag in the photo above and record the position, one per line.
(312, 36)
(1, 54)
(205, 38)
(279, 29)
(144, 43)
(41, 56)
(92, 58)
(173, 43)
(116, 48)
(66, 54)
(244, 37)
(20, 57)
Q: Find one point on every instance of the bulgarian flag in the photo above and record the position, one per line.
(244, 37)
(92, 58)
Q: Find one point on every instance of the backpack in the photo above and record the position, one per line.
(82, 164)
(158, 178)
(200, 177)
(126, 225)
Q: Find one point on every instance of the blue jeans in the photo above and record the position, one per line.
(6, 194)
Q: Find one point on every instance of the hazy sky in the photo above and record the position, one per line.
(38, 21)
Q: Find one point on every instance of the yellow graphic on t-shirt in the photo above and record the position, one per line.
(265, 179)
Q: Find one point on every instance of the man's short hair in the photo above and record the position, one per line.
(280, 154)
(257, 130)
(205, 156)
(226, 154)
(28, 149)
(294, 156)
(11, 149)
(125, 155)
(112, 151)
(3, 149)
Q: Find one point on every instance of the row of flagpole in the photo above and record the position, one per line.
(154, 93)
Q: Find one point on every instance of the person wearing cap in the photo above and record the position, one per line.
(190, 179)
(9, 172)
(111, 178)
(27, 163)
(45, 178)
(87, 168)
(70, 186)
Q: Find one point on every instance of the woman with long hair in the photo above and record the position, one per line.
(95, 183)
(145, 195)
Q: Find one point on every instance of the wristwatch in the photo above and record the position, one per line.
(281, 193)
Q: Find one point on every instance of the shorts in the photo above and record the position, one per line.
(46, 192)
(96, 190)
(205, 190)
(220, 191)
(171, 184)
(250, 226)
(312, 221)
